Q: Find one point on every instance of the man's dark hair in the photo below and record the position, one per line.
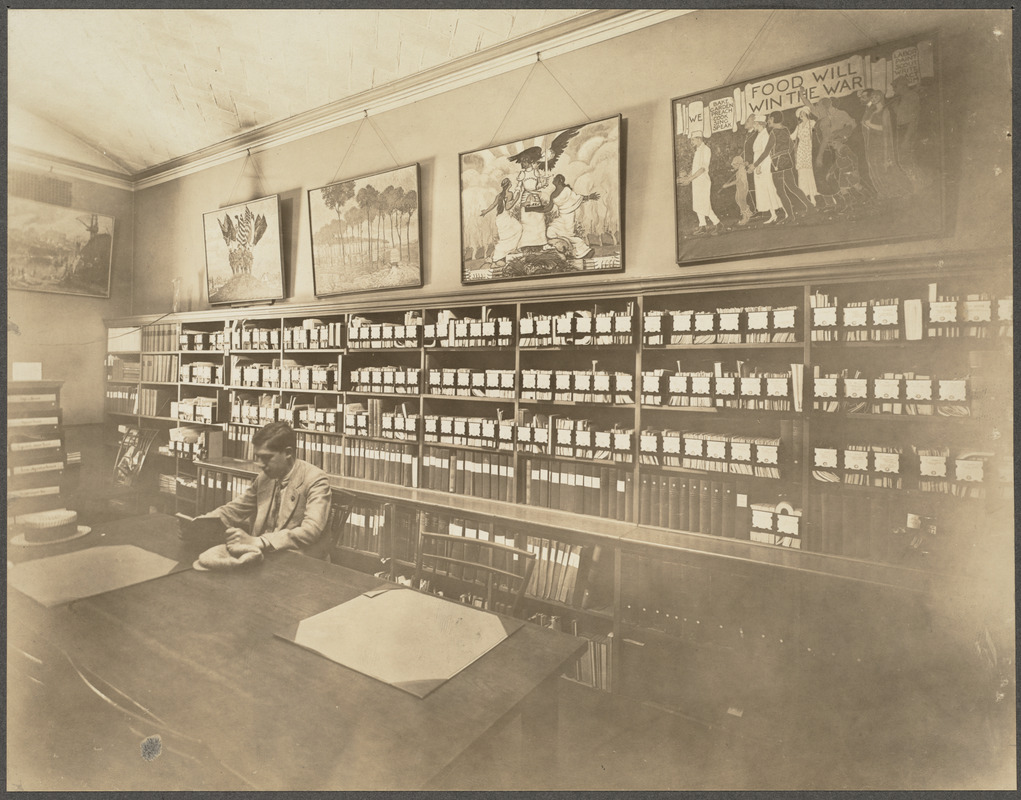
(276, 436)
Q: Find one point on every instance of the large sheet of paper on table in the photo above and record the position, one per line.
(85, 573)
(413, 641)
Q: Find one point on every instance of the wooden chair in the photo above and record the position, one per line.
(340, 510)
(134, 447)
(484, 573)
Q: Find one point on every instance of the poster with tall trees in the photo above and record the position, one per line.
(365, 233)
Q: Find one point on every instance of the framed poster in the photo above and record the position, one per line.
(244, 258)
(547, 205)
(365, 233)
(842, 152)
(57, 249)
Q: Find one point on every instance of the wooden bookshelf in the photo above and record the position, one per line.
(783, 521)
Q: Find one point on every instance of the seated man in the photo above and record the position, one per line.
(287, 506)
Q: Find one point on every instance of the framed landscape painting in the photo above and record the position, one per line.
(365, 233)
(244, 258)
(57, 249)
(546, 205)
(845, 151)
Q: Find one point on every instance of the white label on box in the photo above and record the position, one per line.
(856, 460)
(826, 457)
(583, 438)
(601, 383)
(526, 326)
(887, 388)
(751, 387)
(856, 388)
(778, 387)
(714, 448)
(488, 429)
(932, 466)
(543, 326)
(887, 462)
(678, 384)
(505, 327)
(953, 391)
(742, 500)
(969, 470)
(543, 380)
(767, 453)
(824, 317)
(582, 381)
(506, 432)
(725, 385)
(787, 524)
(563, 380)
(740, 451)
(622, 441)
(700, 384)
(621, 323)
(885, 315)
(783, 318)
(762, 518)
(681, 321)
(653, 323)
(758, 320)
(625, 382)
(856, 317)
(1005, 309)
(918, 389)
(672, 445)
(704, 321)
(604, 324)
(564, 435)
(943, 311)
(730, 321)
(603, 440)
(524, 433)
(649, 442)
(650, 383)
(541, 435)
(978, 310)
(583, 324)
(825, 387)
(692, 447)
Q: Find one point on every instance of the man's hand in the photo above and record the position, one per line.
(236, 536)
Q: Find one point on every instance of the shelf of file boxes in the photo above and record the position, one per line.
(314, 334)
(707, 482)
(722, 325)
(745, 387)
(455, 329)
(938, 315)
(578, 386)
(391, 331)
(478, 458)
(599, 326)
(572, 474)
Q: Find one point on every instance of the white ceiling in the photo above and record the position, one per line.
(144, 87)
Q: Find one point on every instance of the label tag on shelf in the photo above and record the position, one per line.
(826, 457)
(856, 460)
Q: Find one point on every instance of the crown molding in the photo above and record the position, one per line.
(66, 168)
(582, 31)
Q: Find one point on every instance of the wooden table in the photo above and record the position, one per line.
(197, 650)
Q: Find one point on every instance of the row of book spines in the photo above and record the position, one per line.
(360, 528)
(159, 368)
(485, 475)
(153, 402)
(593, 669)
(216, 488)
(159, 337)
(697, 505)
(593, 489)
(851, 525)
(395, 463)
(557, 569)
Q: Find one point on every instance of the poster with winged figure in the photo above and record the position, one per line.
(244, 260)
(547, 205)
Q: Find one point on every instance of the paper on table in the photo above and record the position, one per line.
(413, 641)
(85, 573)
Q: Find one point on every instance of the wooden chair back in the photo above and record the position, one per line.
(492, 575)
(134, 447)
